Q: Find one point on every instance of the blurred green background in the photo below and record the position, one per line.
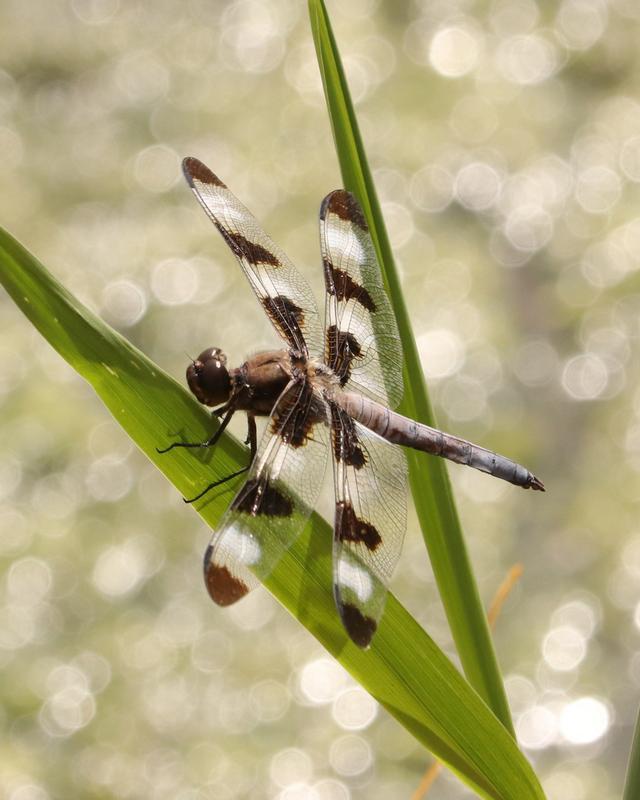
(505, 142)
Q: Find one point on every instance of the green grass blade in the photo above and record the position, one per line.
(632, 781)
(404, 670)
(430, 484)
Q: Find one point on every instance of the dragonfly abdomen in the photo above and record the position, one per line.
(407, 432)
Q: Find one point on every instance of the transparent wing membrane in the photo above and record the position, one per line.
(370, 477)
(362, 343)
(273, 505)
(283, 292)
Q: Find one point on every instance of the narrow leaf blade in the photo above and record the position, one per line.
(632, 780)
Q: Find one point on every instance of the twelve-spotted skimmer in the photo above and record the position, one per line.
(331, 391)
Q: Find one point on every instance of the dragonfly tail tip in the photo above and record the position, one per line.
(535, 483)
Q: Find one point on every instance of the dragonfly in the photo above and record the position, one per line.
(332, 388)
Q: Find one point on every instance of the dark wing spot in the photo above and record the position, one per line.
(360, 628)
(260, 497)
(350, 528)
(344, 205)
(342, 285)
(223, 587)
(346, 446)
(253, 252)
(341, 349)
(286, 316)
(196, 170)
(296, 414)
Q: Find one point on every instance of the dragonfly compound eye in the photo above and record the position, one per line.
(208, 377)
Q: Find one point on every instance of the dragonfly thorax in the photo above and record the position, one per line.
(208, 377)
(322, 375)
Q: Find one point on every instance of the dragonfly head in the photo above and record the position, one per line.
(208, 377)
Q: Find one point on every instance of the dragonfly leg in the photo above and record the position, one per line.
(220, 412)
(216, 483)
(228, 412)
(251, 440)
(252, 436)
